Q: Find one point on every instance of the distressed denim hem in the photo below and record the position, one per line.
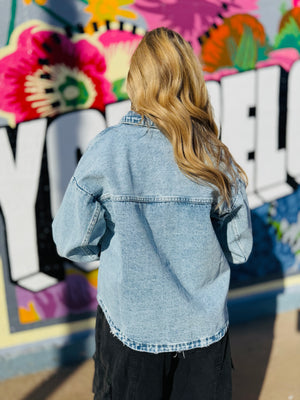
(161, 348)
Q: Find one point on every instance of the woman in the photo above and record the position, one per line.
(164, 202)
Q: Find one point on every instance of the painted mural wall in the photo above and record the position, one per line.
(62, 72)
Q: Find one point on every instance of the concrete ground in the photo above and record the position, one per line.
(265, 352)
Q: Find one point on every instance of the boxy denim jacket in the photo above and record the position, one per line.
(163, 274)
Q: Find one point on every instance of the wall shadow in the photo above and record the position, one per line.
(46, 388)
(253, 317)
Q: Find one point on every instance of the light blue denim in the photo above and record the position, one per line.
(164, 274)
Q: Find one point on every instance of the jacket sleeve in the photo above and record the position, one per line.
(79, 225)
(233, 227)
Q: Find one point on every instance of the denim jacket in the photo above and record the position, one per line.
(163, 273)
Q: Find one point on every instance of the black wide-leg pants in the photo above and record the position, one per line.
(125, 374)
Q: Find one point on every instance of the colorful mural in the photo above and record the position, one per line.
(63, 67)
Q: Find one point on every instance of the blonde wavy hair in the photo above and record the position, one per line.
(165, 83)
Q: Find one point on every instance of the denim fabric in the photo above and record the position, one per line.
(164, 274)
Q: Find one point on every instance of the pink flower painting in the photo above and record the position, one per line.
(45, 73)
(74, 295)
(191, 18)
(283, 57)
(118, 47)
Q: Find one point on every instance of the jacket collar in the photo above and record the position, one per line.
(134, 118)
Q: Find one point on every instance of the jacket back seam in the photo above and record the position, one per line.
(152, 199)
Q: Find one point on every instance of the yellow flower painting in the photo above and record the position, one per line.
(39, 2)
(107, 10)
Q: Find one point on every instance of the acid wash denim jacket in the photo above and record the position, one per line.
(163, 274)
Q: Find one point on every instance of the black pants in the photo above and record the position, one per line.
(125, 374)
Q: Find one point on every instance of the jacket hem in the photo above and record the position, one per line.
(161, 348)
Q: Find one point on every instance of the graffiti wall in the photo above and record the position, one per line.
(62, 74)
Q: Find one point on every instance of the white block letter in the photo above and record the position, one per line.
(293, 123)
(238, 126)
(19, 180)
(270, 173)
(65, 135)
(214, 91)
(115, 111)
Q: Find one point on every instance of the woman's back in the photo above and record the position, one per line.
(163, 201)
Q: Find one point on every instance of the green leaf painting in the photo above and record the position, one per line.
(289, 36)
(246, 54)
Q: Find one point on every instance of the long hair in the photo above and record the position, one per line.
(165, 83)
